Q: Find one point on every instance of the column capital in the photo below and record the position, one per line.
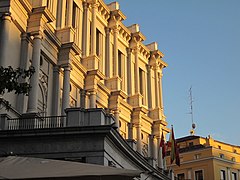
(129, 50)
(56, 69)
(108, 30)
(37, 35)
(92, 92)
(25, 36)
(85, 5)
(66, 67)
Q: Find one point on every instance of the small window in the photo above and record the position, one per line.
(197, 156)
(181, 176)
(142, 135)
(120, 124)
(222, 175)
(233, 159)
(221, 156)
(199, 175)
(219, 147)
(190, 144)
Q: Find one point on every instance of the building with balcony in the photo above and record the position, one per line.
(206, 158)
(86, 61)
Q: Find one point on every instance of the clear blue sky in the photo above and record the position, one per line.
(201, 43)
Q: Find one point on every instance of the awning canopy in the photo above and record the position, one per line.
(13, 167)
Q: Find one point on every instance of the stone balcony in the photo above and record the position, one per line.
(75, 117)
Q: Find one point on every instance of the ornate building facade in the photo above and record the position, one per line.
(84, 56)
(206, 158)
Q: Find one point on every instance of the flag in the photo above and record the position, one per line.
(163, 146)
(177, 156)
(174, 152)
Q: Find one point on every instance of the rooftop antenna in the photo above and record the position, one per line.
(191, 111)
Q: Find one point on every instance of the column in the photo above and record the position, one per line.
(155, 150)
(129, 71)
(156, 87)
(93, 98)
(108, 61)
(93, 28)
(159, 155)
(115, 52)
(56, 91)
(189, 173)
(136, 69)
(116, 115)
(4, 39)
(228, 173)
(83, 98)
(33, 94)
(130, 131)
(66, 87)
(139, 138)
(69, 13)
(61, 14)
(23, 64)
(85, 29)
(151, 147)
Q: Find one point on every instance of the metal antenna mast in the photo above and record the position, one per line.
(191, 111)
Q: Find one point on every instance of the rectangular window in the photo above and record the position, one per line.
(141, 80)
(98, 41)
(221, 156)
(197, 156)
(190, 144)
(181, 176)
(119, 63)
(222, 175)
(234, 176)
(74, 11)
(199, 175)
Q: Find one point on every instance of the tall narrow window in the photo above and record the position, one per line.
(74, 13)
(98, 42)
(199, 175)
(222, 175)
(234, 176)
(141, 80)
(119, 63)
(66, 13)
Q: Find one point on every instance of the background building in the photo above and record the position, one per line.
(206, 158)
(84, 58)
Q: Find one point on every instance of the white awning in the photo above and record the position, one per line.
(14, 167)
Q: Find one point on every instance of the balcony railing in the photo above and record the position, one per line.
(75, 117)
(36, 122)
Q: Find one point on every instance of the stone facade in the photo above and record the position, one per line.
(84, 56)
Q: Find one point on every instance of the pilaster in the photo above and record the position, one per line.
(94, 5)
(86, 30)
(91, 85)
(108, 51)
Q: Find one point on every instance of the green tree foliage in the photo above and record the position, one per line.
(14, 80)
